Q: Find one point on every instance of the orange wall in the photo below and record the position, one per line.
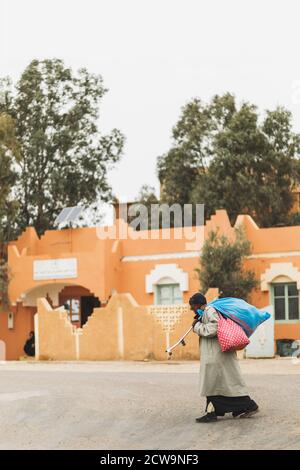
(141, 332)
(133, 275)
(287, 331)
(16, 338)
(91, 267)
(55, 333)
(102, 269)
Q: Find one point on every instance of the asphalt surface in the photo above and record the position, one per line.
(134, 405)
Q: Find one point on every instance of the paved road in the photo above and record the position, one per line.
(138, 405)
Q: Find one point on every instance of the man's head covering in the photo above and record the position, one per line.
(198, 299)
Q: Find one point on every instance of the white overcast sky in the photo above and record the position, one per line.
(155, 55)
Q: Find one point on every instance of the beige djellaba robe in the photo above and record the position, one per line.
(219, 371)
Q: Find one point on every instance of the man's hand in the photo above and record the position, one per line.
(195, 321)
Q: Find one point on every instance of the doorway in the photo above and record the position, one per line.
(88, 303)
(79, 304)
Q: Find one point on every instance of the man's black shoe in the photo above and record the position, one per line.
(208, 418)
(252, 410)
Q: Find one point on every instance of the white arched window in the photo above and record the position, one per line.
(167, 282)
(283, 282)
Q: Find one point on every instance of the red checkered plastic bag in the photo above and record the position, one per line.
(230, 335)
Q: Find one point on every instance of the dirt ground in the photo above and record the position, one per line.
(141, 405)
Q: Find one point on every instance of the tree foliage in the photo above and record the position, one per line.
(139, 213)
(9, 153)
(4, 282)
(226, 157)
(64, 157)
(221, 265)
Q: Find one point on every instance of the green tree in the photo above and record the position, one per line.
(192, 146)
(9, 155)
(254, 168)
(221, 265)
(147, 195)
(139, 213)
(224, 157)
(65, 158)
(4, 282)
(294, 219)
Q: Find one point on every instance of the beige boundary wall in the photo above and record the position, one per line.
(121, 330)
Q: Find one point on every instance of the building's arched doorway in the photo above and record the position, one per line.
(79, 303)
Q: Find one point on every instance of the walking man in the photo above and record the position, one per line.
(220, 376)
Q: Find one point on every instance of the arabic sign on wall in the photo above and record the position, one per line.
(54, 269)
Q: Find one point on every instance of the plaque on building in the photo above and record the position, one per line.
(62, 268)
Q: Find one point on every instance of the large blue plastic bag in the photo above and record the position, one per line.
(246, 315)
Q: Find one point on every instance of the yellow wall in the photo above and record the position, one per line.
(15, 338)
(121, 330)
(54, 334)
(105, 266)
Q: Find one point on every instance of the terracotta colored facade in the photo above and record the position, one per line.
(121, 330)
(85, 267)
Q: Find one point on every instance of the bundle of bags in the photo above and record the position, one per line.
(237, 322)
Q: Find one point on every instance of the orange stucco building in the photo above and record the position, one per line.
(82, 268)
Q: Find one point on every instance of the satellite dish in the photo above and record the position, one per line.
(68, 215)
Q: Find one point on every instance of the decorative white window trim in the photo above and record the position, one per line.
(162, 271)
(166, 281)
(279, 269)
